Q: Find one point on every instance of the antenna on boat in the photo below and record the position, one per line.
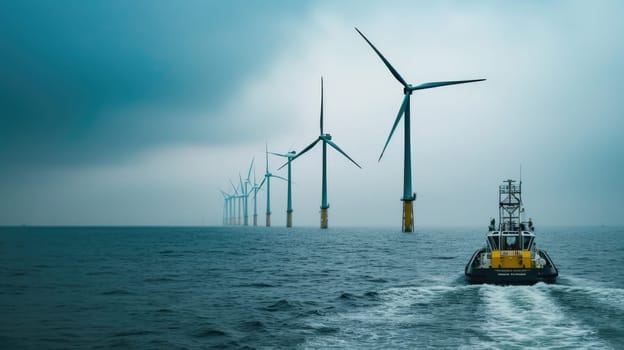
(521, 209)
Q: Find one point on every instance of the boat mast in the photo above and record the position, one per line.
(509, 207)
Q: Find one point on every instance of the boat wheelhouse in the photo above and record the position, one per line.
(510, 255)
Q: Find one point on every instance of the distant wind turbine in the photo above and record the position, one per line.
(237, 220)
(326, 138)
(255, 187)
(289, 210)
(226, 207)
(231, 208)
(408, 195)
(267, 179)
(246, 194)
(243, 199)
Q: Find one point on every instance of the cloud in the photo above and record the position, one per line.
(549, 104)
(93, 82)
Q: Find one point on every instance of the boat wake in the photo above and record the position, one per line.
(529, 316)
(544, 316)
(396, 318)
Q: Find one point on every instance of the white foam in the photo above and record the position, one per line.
(379, 325)
(526, 316)
(506, 317)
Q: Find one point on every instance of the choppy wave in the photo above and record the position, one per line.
(607, 296)
(117, 292)
(234, 287)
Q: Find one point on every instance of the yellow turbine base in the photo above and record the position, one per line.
(323, 217)
(408, 216)
(268, 220)
(289, 219)
(255, 220)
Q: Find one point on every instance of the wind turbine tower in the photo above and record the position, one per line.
(408, 195)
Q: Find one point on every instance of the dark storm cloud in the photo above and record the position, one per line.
(72, 72)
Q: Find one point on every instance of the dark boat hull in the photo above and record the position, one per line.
(476, 275)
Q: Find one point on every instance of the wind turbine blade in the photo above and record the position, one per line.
(341, 151)
(385, 61)
(225, 195)
(442, 83)
(234, 187)
(250, 166)
(262, 183)
(396, 122)
(306, 149)
(241, 183)
(321, 105)
(279, 177)
(283, 165)
(279, 154)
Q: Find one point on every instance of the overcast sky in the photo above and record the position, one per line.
(137, 113)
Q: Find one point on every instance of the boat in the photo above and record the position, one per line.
(510, 255)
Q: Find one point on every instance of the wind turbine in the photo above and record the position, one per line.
(232, 209)
(326, 138)
(290, 156)
(267, 178)
(224, 208)
(255, 187)
(408, 195)
(226, 200)
(237, 220)
(247, 193)
(245, 196)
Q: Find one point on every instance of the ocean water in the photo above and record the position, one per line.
(299, 288)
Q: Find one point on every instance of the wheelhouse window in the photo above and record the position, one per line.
(493, 241)
(528, 240)
(511, 242)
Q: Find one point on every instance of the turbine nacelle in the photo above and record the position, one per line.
(326, 137)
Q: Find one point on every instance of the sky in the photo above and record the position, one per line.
(139, 113)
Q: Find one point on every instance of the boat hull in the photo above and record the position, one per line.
(523, 276)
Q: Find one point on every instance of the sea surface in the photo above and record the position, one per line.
(299, 288)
